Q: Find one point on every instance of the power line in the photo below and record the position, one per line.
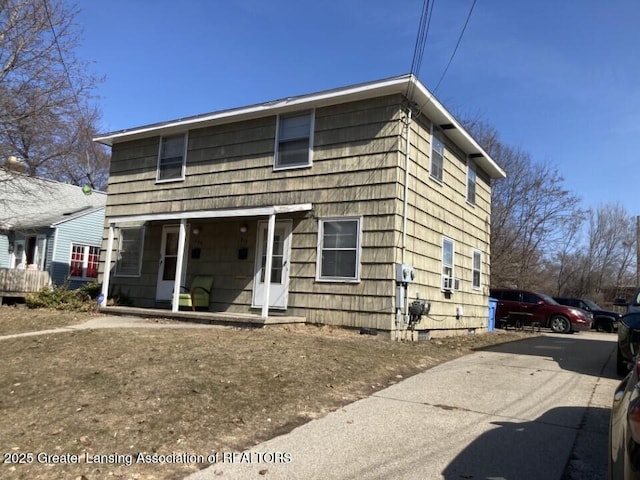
(421, 41)
(457, 45)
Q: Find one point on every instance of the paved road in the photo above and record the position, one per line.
(534, 409)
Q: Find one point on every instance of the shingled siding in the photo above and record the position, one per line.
(437, 210)
(354, 173)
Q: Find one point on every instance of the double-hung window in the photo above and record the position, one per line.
(339, 249)
(84, 261)
(172, 158)
(447, 264)
(129, 259)
(437, 155)
(294, 141)
(471, 183)
(476, 268)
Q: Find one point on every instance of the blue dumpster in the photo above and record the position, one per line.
(493, 303)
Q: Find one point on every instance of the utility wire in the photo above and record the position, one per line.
(457, 45)
(421, 41)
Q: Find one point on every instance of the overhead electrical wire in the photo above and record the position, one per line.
(421, 40)
(453, 54)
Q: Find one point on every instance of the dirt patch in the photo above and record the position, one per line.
(111, 394)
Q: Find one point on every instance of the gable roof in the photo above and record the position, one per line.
(30, 202)
(407, 85)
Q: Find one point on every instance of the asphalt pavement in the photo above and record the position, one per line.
(532, 409)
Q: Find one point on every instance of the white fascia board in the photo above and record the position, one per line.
(328, 97)
(426, 101)
(223, 213)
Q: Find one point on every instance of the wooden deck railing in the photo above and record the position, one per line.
(17, 283)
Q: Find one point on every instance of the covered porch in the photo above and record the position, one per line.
(195, 251)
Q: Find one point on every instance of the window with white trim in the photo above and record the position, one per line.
(437, 155)
(339, 249)
(447, 263)
(84, 261)
(294, 141)
(129, 258)
(476, 269)
(471, 183)
(172, 158)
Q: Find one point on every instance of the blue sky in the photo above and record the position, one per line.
(558, 79)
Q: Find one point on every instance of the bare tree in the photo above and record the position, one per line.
(529, 209)
(45, 92)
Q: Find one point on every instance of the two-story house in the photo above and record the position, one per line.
(327, 192)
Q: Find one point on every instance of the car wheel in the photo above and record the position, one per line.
(560, 324)
(608, 327)
(621, 366)
(599, 326)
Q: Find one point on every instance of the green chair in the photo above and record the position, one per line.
(198, 295)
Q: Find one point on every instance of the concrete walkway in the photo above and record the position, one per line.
(112, 322)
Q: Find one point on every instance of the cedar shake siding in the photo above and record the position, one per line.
(357, 173)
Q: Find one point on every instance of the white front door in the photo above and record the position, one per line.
(168, 262)
(19, 254)
(279, 288)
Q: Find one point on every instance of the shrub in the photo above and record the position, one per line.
(61, 298)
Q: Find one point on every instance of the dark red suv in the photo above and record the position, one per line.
(520, 307)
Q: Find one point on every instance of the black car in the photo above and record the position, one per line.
(624, 425)
(603, 320)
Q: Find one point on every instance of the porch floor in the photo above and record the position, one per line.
(214, 318)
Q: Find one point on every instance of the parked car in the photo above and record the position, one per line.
(519, 307)
(624, 355)
(603, 320)
(624, 423)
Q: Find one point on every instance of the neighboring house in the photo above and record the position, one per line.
(319, 190)
(47, 227)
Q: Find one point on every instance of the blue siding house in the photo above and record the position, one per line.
(48, 227)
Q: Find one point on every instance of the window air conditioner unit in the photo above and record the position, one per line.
(450, 284)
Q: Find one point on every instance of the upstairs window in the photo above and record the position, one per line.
(84, 261)
(172, 158)
(471, 183)
(437, 156)
(294, 141)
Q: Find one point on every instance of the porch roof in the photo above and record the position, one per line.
(219, 213)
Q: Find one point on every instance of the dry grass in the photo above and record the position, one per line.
(199, 391)
(21, 319)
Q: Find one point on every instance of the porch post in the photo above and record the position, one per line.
(107, 267)
(182, 235)
(267, 267)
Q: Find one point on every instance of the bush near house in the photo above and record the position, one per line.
(82, 299)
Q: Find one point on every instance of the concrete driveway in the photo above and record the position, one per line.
(531, 409)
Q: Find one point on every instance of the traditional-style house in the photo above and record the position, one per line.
(357, 201)
(50, 232)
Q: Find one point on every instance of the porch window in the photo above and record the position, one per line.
(129, 258)
(172, 158)
(437, 156)
(339, 249)
(294, 141)
(84, 261)
(471, 183)
(476, 268)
